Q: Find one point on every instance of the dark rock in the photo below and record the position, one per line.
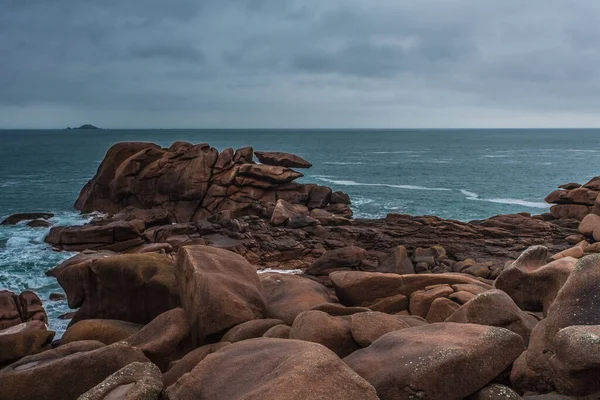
(282, 159)
(16, 218)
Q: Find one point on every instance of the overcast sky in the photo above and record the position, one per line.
(299, 64)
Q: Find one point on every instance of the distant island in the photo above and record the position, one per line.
(85, 126)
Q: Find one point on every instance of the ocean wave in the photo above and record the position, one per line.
(280, 271)
(353, 183)
(25, 257)
(343, 163)
(525, 203)
(495, 156)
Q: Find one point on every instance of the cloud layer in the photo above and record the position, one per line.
(306, 64)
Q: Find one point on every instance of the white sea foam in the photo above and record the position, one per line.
(525, 203)
(280, 271)
(407, 187)
(343, 163)
(495, 156)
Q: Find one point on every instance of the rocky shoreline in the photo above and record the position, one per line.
(170, 304)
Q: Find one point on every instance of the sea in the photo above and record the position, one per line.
(459, 174)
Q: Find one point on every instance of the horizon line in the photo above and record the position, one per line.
(300, 129)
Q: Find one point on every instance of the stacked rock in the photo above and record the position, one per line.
(573, 200)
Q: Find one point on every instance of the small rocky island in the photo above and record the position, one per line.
(85, 126)
(211, 276)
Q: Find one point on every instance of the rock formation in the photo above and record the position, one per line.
(172, 302)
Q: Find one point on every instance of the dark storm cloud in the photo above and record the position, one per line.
(355, 63)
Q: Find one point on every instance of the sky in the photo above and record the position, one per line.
(299, 64)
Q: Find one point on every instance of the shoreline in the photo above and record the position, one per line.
(169, 272)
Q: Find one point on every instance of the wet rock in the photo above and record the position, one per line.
(39, 223)
(136, 381)
(289, 295)
(107, 331)
(409, 363)
(495, 391)
(282, 159)
(218, 290)
(65, 372)
(290, 369)
(332, 332)
(16, 218)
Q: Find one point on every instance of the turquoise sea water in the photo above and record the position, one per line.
(460, 174)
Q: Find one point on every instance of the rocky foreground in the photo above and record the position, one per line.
(175, 298)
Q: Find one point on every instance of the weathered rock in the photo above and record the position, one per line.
(24, 339)
(107, 331)
(390, 305)
(577, 303)
(319, 197)
(495, 308)
(136, 381)
(410, 363)
(568, 211)
(339, 310)
(16, 309)
(218, 289)
(334, 260)
(290, 369)
(16, 218)
(39, 223)
(581, 195)
(441, 309)
(250, 329)
(285, 212)
(282, 159)
(397, 262)
(340, 198)
(495, 391)
(128, 287)
(164, 339)
(589, 224)
(289, 295)
(278, 332)
(420, 300)
(184, 365)
(115, 235)
(363, 288)
(531, 283)
(332, 332)
(65, 372)
(367, 327)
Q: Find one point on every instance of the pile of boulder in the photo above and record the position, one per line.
(213, 277)
(150, 326)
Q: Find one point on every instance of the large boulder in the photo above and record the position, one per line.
(16, 309)
(350, 257)
(369, 326)
(437, 361)
(531, 282)
(577, 303)
(289, 295)
(356, 288)
(496, 308)
(188, 362)
(396, 262)
(219, 289)
(288, 369)
(136, 381)
(335, 333)
(128, 287)
(24, 339)
(282, 159)
(164, 339)
(66, 372)
(107, 331)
